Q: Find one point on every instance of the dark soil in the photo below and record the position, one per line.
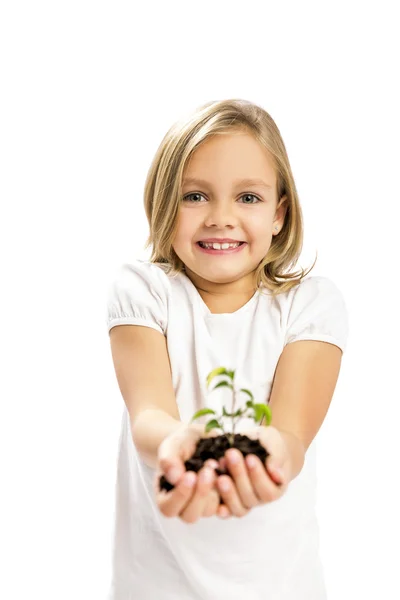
(215, 447)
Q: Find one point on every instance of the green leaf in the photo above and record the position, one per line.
(268, 415)
(215, 372)
(231, 374)
(249, 404)
(222, 384)
(249, 393)
(238, 413)
(262, 410)
(203, 411)
(213, 424)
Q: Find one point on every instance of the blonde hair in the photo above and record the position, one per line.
(163, 188)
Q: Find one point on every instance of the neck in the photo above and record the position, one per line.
(224, 297)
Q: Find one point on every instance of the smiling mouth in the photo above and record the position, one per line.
(219, 246)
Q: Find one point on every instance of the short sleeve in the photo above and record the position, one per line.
(138, 295)
(318, 312)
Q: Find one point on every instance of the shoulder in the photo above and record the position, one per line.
(316, 309)
(316, 287)
(140, 270)
(137, 276)
(138, 290)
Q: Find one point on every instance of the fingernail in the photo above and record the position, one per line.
(233, 457)
(173, 475)
(251, 461)
(206, 475)
(224, 485)
(213, 464)
(189, 479)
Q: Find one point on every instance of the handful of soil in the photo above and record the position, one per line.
(215, 447)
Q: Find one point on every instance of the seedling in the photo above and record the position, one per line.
(216, 446)
(253, 410)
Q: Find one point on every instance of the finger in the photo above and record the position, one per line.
(277, 461)
(175, 449)
(273, 442)
(156, 481)
(263, 486)
(174, 473)
(170, 464)
(212, 505)
(194, 509)
(210, 462)
(223, 512)
(239, 473)
(230, 496)
(277, 474)
(271, 439)
(222, 463)
(172, 503)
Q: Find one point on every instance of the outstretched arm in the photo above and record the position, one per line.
(303, 387)
(304, 382)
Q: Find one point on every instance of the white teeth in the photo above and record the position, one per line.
(217, 246)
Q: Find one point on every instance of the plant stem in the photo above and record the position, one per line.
(233, 410)
(232, 434)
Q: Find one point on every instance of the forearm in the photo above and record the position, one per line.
(296, 451)
(149, 429)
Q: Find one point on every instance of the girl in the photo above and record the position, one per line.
(225, 229)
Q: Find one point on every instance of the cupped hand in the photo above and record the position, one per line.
(251, 483)
(195, 494)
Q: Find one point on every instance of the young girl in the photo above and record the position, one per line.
(225, 229)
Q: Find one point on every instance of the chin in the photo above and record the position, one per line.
(221, 275)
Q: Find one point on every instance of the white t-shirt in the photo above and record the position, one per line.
(272, 553)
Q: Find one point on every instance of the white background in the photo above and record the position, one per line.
(88, 91)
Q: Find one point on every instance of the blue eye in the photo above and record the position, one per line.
(251, 196)
(193, 194)
(188, 198)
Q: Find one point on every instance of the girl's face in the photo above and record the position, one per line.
(223, 202)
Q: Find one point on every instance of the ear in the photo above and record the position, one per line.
(281, 212)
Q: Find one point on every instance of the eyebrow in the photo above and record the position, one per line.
(237, 182)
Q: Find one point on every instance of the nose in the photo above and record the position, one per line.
(220, 214)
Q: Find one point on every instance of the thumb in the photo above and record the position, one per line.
(170, 461)
(271, 439)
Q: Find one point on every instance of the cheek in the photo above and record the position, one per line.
(185, 229)
(260, 229)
